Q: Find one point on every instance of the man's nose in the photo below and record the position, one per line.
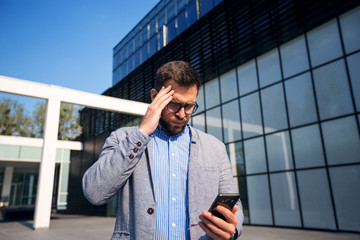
(181, 113)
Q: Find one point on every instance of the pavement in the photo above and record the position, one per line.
(71, 227)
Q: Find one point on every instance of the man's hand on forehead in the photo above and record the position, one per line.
(153, 113)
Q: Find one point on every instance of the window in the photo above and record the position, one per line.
(285, 199)
(206, 6)
(198, 122)
(341, 139)
(345, 182)
(316, 206)
(259, 199)
(274, 111)
(350, 29)
(294, 57)
(279, 151)
(324, 43)
(231, 121)
(212, 96)
(269, 68)
(255, 155)
(228, 86)
(251, 116)
(247, 77)
(213, 123)
(300, 100)
(354, 72)
(332, 90)
(307, 147)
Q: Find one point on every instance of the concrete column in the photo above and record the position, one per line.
(5, 193)
(47, 164)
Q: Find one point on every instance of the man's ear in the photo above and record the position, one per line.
(153, 94)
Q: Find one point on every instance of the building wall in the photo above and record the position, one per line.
(281, 90)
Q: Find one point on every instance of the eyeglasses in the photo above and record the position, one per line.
(175, 107)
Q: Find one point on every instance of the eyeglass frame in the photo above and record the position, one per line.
(195, 105)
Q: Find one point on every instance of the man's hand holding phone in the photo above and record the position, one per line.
(153, 113)
(220, 221)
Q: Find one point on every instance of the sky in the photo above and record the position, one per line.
(68, 43)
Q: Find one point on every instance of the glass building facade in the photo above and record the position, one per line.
(281, 89)
(159, 27)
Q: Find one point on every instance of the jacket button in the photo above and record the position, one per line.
(135, 150)
(150, 211)
(138, 144)
(131, 156)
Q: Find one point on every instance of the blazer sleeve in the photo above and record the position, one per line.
(119, 156)
(226, 185)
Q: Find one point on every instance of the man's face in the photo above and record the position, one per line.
(174, 123)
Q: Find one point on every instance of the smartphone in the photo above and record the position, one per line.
(227, 200)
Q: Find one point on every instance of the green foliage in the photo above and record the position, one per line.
(14, 121)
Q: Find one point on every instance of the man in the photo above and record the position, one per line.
(166, 172)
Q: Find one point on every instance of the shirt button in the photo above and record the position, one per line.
(138, 144)
(131, 156)
(150, 211)
(174, 199)
(135, 150)
(173, 225)
(173, 175)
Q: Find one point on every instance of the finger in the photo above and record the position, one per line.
(230, 216)
(217, 225)
(208, 231)
(163, 98)
(234, 210)
(163, 91)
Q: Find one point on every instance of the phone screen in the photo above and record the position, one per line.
(227, 200)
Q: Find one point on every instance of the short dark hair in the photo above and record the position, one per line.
(178, 71)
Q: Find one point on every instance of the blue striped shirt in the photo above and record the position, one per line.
(171, 161)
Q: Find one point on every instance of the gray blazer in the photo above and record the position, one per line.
(125, 165)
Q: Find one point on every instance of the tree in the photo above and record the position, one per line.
(13, 119)
(69, 127)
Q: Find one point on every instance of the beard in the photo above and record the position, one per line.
(172, 130)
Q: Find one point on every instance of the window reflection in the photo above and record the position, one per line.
(198, 122)
(259, 197)
(228, 86)
(345, 182)
(213, 123)
(235, 153)
(350, 29)
(231, 121)
(279, 151)
(212, 96)
(251, 116)
(247, 77)
(300, 100)
(294, 57)
(273, 106)
(341, 139)
(332, 90)
(316, 206)
(269, 68)
(285, 199)
(255, 155)
(324, 43)
(354, 72)
(307, 147)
